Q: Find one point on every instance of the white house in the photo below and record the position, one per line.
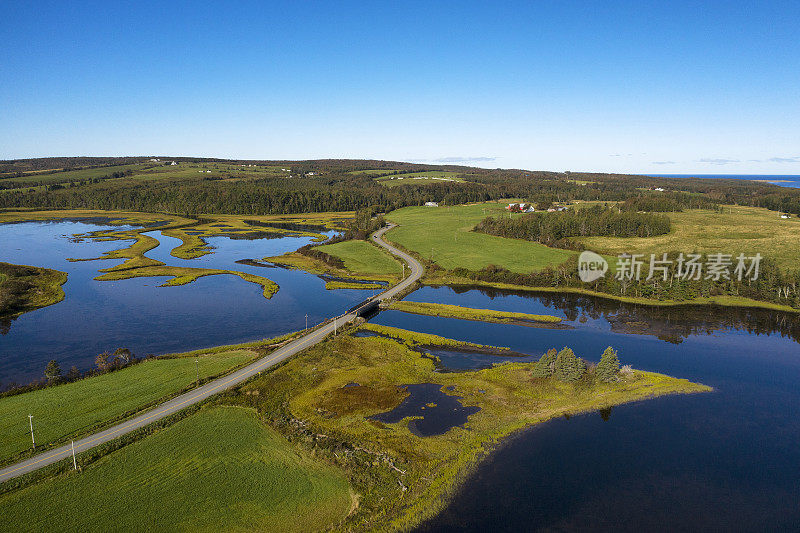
(431, 204)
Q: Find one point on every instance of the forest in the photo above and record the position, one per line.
(555, 229)
(341, 185)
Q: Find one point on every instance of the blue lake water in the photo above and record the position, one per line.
(104, 315)
(726, 460)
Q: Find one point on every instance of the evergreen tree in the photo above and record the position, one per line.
(544, 367)
(608, 367)
(52, 371)
(568, 367)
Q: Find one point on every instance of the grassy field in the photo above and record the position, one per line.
(738, 229)
(417, 178)
(25, 288)
(361, 257)
(75, 175)
(75, 408)
(334, 387)
(362, 260)
(217, 470)
(444, 235)
(468, 313)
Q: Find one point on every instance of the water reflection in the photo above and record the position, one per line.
(726, 460)
(669, 323)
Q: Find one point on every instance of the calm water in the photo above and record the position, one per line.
(727, 460)
(103, 315)
(439, 412)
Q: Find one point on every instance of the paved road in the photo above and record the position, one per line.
(213, 387)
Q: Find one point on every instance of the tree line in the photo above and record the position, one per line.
(555, 229)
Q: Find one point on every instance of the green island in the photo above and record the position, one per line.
(468, 313)
(24, 288)
(191, 232)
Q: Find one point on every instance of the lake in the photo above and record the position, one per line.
(97, 316)
(726, 460)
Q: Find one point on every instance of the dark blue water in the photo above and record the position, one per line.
(776, 179)
(438, 412)
(103, 315)
(726, 460)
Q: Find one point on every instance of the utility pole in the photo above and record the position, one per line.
(197, 369)
(74, 462)
(30, 419)
(306, 321)
(334, 326)
(404, 271)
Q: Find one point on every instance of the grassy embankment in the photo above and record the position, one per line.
(219, 469)
(322, 397)
(25, 288)
(442, 230)
(362, 260)
(75, 409)
(468, 313)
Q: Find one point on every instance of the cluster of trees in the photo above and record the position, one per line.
(567, 367)
(667, 202)
(773, 284)
(105, 362)
(553, 229)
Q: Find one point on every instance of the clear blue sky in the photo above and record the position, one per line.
(666, 87)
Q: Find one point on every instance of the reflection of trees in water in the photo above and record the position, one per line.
(668, 323)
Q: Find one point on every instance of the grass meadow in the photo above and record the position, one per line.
(361, 257)
(219, 469)
(75, 408)
(738, 229)
(444, 235)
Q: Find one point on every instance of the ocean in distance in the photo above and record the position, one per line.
(782, 180)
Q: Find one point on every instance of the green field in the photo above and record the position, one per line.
(737, 229)
(75, 408)
(417, 178)
(444, 234)
(74, 175)
(220, 469)
(361, 257)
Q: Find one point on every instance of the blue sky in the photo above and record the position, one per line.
(661, 87)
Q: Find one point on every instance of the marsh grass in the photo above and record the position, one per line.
(308, 399)
(468, 313)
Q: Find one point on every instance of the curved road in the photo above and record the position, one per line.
(218, 385)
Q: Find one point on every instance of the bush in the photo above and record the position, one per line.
(608, 367)
(568, 367)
